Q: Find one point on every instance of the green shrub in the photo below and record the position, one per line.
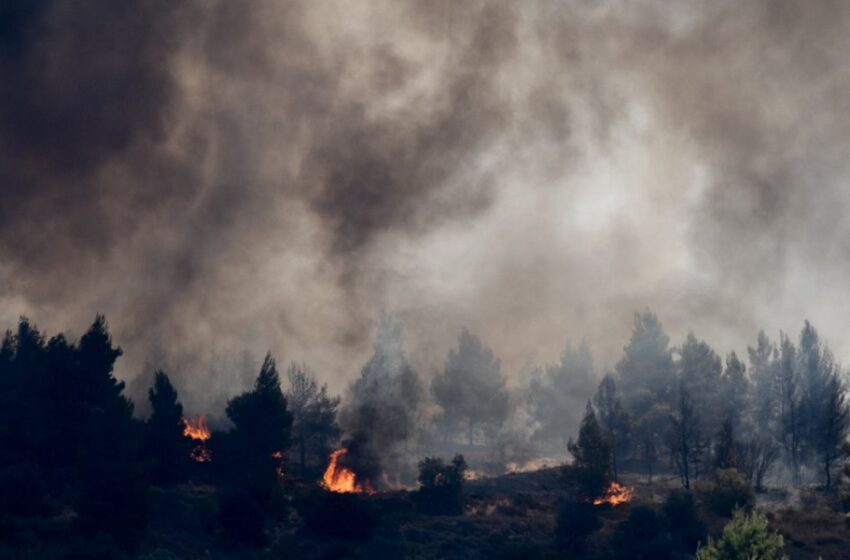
(746, 536)
(727, 491)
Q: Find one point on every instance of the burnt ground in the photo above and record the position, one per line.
(511, 516)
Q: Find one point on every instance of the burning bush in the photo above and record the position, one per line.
(441, 486)
(341, 479)
(727, 491)
(576, 521)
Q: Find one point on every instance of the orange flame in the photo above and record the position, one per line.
(342, 480)
(196, 429)
(615, 494)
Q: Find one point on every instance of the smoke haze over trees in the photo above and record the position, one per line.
(280, 175)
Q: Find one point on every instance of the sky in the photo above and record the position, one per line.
(221, 179)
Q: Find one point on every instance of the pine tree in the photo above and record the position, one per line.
(314, 427)
(165, 442)
(261, 421)
(591, 467)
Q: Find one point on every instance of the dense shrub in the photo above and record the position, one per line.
(682, 518)
(576, 521)
(345, 516)
(113, 500)
(746, 536)
(727, 491)
(441, 486)
(241, 518)
(642, 536)
(23, 491)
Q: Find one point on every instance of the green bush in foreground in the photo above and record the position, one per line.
(746, 537)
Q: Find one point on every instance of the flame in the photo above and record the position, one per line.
(342, 480)
(615, 494)
(196, 429)
(278, 457)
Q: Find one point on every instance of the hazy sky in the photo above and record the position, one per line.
(223, 178)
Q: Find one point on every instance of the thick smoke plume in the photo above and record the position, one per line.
(222, 178)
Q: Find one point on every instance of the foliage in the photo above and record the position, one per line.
(727, 491)
(556, 394)
(441, 486)
(471, 389)
(746, 536)
(344, 516)
(165, 443)
(576, 521)
(685, 438)
(680, 511)
(261, 426)
(646, 371)
(241, 518)
(384, 401)
(591, 467)
(642, 536)
(314, 427)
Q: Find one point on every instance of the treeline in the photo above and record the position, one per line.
(689, 408)
(69, 443)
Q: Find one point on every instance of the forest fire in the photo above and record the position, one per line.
(616, 494)
(342, 480)
(197, 430)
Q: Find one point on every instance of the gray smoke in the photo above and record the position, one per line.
(224, 178)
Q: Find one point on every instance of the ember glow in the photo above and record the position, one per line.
(278, 457)
(197, 430)
(616, 494)
(342, 480)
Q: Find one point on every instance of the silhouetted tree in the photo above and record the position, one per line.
(734, 392)
(685, 439)
(700, 372)
(613, 418)
(725, 448)
(471, 389)
(262, 424)
(832, 421)
(165, 443)
(591, 466)
(314, 427)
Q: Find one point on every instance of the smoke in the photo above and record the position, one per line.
(221, 179)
